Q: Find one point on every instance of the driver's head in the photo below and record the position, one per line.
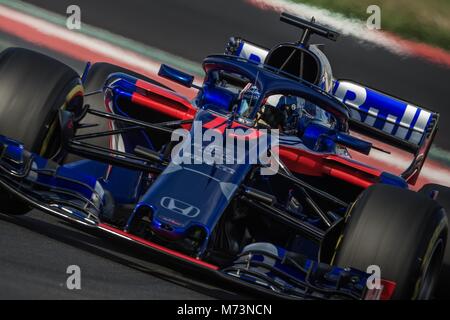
(289, 108)
(283, 112)
(288, 105)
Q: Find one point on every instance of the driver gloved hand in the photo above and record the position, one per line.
(273, 117)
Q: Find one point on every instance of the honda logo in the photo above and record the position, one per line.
(180, 207)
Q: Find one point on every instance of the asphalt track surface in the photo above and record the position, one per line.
(37, 249)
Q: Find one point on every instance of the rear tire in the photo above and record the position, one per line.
(402, 232)
(443, 198)
(33, 88)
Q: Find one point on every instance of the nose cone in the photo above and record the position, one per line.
(191, 195)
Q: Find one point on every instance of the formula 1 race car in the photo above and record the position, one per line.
(119, 153)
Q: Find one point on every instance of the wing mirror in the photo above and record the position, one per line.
(352, 142)
(177, 76)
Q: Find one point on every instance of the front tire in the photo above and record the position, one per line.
(33, 87)
(402, 232)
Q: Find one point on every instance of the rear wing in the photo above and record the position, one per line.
(390, 120)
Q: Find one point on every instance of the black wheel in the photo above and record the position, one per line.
(443, 198)
(33, 87)
(402, 232)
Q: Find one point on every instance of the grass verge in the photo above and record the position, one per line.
(419, 20)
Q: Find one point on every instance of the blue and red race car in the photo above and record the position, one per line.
(121, 154)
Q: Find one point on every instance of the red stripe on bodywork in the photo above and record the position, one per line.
(171, 109)
(217, 121)
(307, 163)
(354, 165)
(157, 247)
(220, 124)
(166, 93)
(163, 100)
(350, 177)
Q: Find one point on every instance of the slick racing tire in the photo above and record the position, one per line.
(443, 198)
(402, 232)
(33, 87)
(95, 80)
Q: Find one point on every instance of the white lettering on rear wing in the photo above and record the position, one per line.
(387, 114)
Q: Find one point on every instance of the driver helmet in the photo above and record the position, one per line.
(289, 108)
(297, 113)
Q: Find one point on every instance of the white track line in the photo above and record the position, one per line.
(95, 45)
(346, 26)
